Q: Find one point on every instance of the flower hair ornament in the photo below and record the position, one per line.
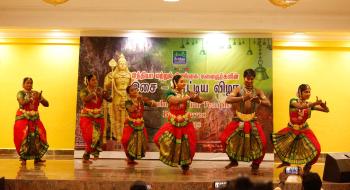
(298, 93)
(172, 84)
(86, 81)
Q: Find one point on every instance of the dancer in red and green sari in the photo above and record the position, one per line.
(244, 139)
(135, 138)
(176, 139)
(297, 144)
(91, 117)
(29, 132)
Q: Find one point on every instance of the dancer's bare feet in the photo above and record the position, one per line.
(255, 169)
(39, 161)
(185, 169)
(87, 161)
(233, 163)
(23, 162)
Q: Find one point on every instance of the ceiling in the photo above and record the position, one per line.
(104, 17)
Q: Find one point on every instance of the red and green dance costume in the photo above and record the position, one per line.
(135, 138)
(244, 139)
(176, 139)
(297, 144)
(29, 132)
(92, 124)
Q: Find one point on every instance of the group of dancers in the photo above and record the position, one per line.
(243, 139)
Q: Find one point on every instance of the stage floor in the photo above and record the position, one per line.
(115, 174)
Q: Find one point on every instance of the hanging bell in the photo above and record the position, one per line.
(249, 52)
(260, 73)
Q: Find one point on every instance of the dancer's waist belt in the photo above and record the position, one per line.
(93, 111)
(179, 120)
(136, 120)
(245, 117)
(30, 113)
(297, 126)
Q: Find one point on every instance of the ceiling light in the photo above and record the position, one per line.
(216, 40)
(57, 34)
(171, 1)
(284, 3)
(55, 2)
(137, 41)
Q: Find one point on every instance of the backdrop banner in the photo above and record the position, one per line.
(212, 67)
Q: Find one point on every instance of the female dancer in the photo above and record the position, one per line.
(135, 136)
(297, 144)
(91, 117)
(176, 139)
(29, 132)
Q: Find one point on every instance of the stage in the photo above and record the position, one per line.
(66, 173)
(115, 174)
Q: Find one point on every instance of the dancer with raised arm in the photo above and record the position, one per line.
(135, 136)
(244, 139)
(29, 132)
(176, 139)
(296, 143)
(91, 117)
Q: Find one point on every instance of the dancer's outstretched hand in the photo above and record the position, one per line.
(318, 101)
